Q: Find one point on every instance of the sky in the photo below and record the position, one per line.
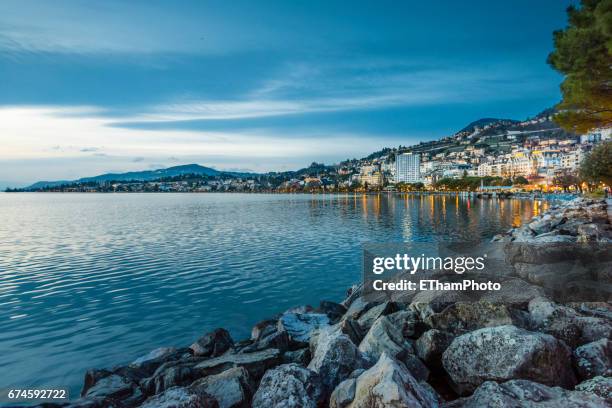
(88, 87)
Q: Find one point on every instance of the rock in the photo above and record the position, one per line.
(300, 357)
(524, 393)
(334, 311)
(171, 374)
(180, 397)
(367, 319)
(335, 358)
(416, 367)
(352, 329)
(112, 386)
(431, 345)
(428, 302)
(288, 386)
(600, 386)
(390, 384)
(514, 293)
(462, 317)
(155, 355)
(263, 328)
(299, 326)
(92, 377)
(385, 337)
(359, 306)
(343, 394)
(594, 359)
(255, 363)
(231, 388)
(408, 323)
(504, 353)
(212, 344)
(276, 339)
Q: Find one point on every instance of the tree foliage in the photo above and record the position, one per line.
(583, 53)
(597, 165)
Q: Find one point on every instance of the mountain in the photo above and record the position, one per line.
(140, 175)
(480, 123)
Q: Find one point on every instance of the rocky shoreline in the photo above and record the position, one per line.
(523, 350)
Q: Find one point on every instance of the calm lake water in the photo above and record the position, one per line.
(94, 280)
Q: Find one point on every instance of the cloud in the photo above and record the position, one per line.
(138, 159)
(89, 149)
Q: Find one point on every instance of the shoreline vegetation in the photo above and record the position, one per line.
(517, 346)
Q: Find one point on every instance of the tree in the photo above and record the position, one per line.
(520, 180)
(596, 167)
(583, 52)
(566, 179)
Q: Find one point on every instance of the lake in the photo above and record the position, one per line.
(95, 280)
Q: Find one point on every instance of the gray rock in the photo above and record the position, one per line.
(171, 374)
(299, 326)
(367, 319)
(528, 394)
(416, 367)
(276, 339)
(155, 355)
(231, 388)
(288, 386)
(594, 359)
(333, 310)
(212, 344)
(255, 363)
(352, 329)
(390, 384)
(385, 337)
(300, 357)
(600, 386)
(263, 328)
(180, 397)
(343, 394)
(431, 345)
(359, 306)
(504, 353)
(335, 358)
(462, 317)
(113, 386)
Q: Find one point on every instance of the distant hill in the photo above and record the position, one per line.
(484, 122)
(140, 175)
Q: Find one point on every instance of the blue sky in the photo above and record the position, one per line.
(90, 87)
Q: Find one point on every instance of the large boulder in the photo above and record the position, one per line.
(390, 384)
(343, 394)
(333, 310)
(212, 344)
(299, 326)
(367, 319)
(600, 386)
(255, 363)
(462, 317)
(593, 359)
(385, 337)
(504, 353)
(288, 386)
(180, 397)
(112, 386)
(524, 393)
(431, 345)
(335, 357)
(171, 374)
(231, 388)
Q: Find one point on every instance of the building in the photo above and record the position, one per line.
(407, 168)
(371, 176)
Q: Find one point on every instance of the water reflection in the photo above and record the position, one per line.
(93, 280)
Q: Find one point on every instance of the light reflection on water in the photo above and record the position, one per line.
(93, 280)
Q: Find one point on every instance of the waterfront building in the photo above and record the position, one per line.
(407, 168)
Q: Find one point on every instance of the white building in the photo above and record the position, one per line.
(407, 168)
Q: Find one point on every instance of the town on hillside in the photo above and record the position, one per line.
(530, 155)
